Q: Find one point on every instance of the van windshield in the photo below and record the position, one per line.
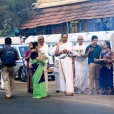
(23, 50)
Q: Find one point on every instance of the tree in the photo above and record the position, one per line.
(13, 13)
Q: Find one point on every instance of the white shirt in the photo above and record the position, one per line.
(53, 53)
(44, 50)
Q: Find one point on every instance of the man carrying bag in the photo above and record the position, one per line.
(8, 57)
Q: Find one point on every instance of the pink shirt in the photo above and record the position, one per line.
(26, 54)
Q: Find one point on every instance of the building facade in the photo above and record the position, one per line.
(88, 16)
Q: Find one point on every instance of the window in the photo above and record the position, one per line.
(74, 26)
(23, 50)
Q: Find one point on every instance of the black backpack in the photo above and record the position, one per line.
(9, 57)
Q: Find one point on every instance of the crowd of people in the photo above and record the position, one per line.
(76, 67)
(93, 62)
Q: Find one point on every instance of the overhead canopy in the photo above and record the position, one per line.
(50, 3)
(102, 35)
(67, 13)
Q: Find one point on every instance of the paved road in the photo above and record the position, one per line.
(23, 103)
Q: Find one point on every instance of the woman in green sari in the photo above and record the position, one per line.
(38, 62)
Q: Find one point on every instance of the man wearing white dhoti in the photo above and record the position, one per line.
(81, 67)
(56, 70)
(65, 66)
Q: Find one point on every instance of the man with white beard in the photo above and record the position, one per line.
(81, 67)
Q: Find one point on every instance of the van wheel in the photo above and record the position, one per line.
(22, 74)
(53, 77)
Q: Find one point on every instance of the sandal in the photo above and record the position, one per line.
(110, 92)
(89, 92)
(75, 90)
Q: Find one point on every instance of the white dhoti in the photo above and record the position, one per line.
(57, 74)
(46, 74)
(57, 81)
(81, 78)
(56, 70)
(81, 70)
(66, 73)
(66, 70)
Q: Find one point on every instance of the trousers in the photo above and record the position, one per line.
(94, 70)
(46, 74)
(8, 77)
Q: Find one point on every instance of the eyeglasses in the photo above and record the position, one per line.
(80, 39)
(41, 39)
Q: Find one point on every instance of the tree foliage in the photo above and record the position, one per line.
(13, 13)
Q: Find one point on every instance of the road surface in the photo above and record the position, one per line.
(23, 103)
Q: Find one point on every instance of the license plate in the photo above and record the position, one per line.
(50, 70)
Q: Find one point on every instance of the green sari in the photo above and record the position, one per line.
(39, 86)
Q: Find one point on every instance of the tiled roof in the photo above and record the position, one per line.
(67, 13)
(51, 3)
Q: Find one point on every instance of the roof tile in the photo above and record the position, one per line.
(66, 13)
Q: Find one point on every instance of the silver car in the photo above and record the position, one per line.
(21, 64)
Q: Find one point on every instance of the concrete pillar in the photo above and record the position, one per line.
(68, 27)
(80, 26)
